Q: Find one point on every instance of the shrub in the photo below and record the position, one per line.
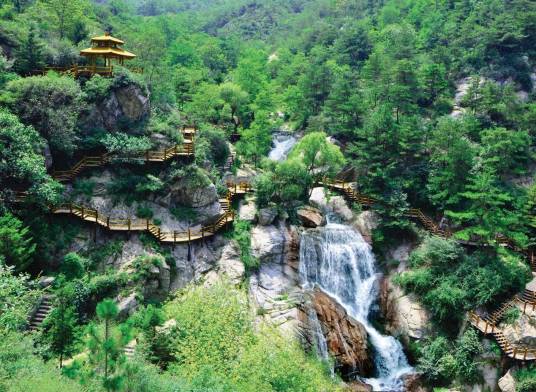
(16, 245)
(212, 146)
(242, 235)
(144, 212)
(73, 266)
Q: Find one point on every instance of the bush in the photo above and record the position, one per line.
(212, 146)
(144, 212)
(448, 281)
(16, 245)
(73, 266)
(51, 104)
(242, 235)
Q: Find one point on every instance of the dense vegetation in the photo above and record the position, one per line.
(376, 77)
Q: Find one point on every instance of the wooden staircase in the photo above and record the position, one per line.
(43, 310)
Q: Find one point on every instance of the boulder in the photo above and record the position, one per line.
(127, 306)
(127, 103)
(186, 193)
(358, 386)
(339, 207)
(230, 264)
(318, 198)
(46, 281)
(346, 338)
(247, 210)
(365, 223)
(310, 217)
(403, 313)
(507, 383)
(267, 216)
(413, 383)
(267, 244)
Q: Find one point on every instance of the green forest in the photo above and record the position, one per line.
(143, 214)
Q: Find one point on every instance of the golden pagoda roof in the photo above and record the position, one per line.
(107, 38)
(105, 51)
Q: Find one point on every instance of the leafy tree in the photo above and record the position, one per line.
(16, 245)
(237, 99)
(124, 144)
(21, 162)
(73, 266)
(504, 150)
(321, 158)
(51, 104)
(67, 15)
(18, 295)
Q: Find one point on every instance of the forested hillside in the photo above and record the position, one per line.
(267, 195)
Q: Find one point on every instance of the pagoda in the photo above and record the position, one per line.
(107, 48)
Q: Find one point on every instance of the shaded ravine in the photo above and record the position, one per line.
(337, 259)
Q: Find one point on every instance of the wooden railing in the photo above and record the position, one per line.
(87, 70)
(186, 149)
(136, 224)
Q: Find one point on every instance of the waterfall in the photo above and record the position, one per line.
(337, 259)
(319, 341)
(283, 143)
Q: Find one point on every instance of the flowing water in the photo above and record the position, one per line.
(337, 259)
(283, 143)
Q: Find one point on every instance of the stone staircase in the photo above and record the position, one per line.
(43, 310)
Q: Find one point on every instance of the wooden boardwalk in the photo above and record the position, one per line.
(186, 149)
(169, 237)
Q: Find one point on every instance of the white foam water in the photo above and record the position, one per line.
(282, 146)
(337, 259)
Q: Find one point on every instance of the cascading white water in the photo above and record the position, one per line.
(337, 259)
(283, 143)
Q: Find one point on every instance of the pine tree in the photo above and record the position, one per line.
(107, 350)
(16, 245)
(30, 54)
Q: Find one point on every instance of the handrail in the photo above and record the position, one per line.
(186, 149)
(173, 237)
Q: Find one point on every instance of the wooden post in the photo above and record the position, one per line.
(147, 224)
(147, 156)
(189, 235)
(82, 212)
(515, 352)
(159, 233)
(129, 223)
(108, 222)
(70, 208)
(202, 233)
(174, 237)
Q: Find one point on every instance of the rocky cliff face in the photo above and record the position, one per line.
(128, 103)
(346, 338)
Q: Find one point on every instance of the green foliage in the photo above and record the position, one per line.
(124, 144)
(512, 315)
(21, 162)
(442, 361)
(16, 245)
(447, 280)
(22, 371)
(242, 236)
(51, 104)
(18, 294)
(525, 379)
(144, 212)
(73, 266)
(211, 146)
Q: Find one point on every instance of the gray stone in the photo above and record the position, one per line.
(230, 264)
(310, 217)
(127, 306)
(365, 223)
(318, 198)
(267, 244)
(339, 207)
(45, 281)
(267, 216)
(247, 210)
(183, 193)
(507, 383)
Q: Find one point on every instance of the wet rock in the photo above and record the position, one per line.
(357, 386)
(310, 217)
(339, 207)
(346, 338)
(413, 383)
(267, 215)
(48, 156)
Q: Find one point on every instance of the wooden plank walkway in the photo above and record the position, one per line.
(187, 149)
(170, 237)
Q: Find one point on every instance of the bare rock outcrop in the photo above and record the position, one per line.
(403, 313)
(507, 383)
(346, 338)
(365, 223)
(310, 217)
